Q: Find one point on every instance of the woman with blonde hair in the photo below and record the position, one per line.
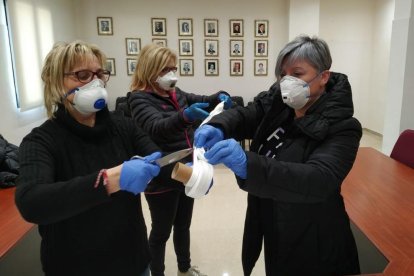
(169, 115)
(77, 181)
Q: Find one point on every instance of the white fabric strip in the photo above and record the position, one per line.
(202, 176)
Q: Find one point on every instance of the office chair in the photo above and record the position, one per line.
(403, 150)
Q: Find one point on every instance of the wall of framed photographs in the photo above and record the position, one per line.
(236, 45)
(203, 36)
(211, 47)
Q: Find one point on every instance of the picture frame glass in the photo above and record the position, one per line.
(131, 65)
(133, 46)
(236, 67)
(185, 27)
(236, 48)
(110, 66)
(261, 28)
(211, 47)
(211, 67)
(210, 27)
(260, 67)
(104, 26)
(236, 28)
(261, 48)
(159, 26)
(185, 47)
(186, 67)
(160, 42)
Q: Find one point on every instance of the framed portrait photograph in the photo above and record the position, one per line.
(131, 65)
(236, 27)
(236, 48)
(110, 66)
(133, 46)
(260, 67)
(211, 47)
(159, 26)
(185, 26)
(261, 28)
(105, 26)
(236, 67)
(185, 47)
(160, 41)
(211, 27)
(186, 67)
(260, 48)
(211, 67)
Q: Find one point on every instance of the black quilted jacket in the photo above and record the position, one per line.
(9, 163)
(294, 202)
(162, 118)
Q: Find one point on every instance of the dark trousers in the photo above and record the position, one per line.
(169, 209)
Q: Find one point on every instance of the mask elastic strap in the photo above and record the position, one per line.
(308, 83)
(70, 92)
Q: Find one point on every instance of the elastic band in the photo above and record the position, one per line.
(101, 174)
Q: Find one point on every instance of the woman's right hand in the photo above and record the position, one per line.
(133, 175)
(195, 112)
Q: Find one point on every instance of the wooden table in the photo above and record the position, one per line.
(12, 226)
(379, 198)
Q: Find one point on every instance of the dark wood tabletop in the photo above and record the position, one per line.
(379, 198)
(12, 226)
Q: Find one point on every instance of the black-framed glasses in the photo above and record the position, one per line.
(85, 76)
(169, 69)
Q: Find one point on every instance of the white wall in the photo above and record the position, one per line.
(400, 96)
(303, 17)
(347, 26)
(358, 33)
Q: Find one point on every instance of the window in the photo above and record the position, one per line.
(30, 36)
(4, 38)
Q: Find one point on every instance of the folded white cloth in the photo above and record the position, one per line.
(202, 176)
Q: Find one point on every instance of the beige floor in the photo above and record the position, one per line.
(217, 227)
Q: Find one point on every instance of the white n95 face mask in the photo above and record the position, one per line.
(89, 98)
(168, 81)
(295, 92)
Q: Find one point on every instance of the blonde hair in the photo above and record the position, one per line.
(150, 62)
(60, 60)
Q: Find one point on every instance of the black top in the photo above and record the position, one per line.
(84, 231)
(294, 201)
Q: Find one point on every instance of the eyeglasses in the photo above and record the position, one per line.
(169, 69)
(85, 76)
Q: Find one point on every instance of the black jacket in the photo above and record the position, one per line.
(84, 231)
(9, 163)
(294, 200)
(162, 118)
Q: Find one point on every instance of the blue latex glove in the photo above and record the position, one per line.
(226, 99)
(206, 136)
(195, 111)
(137, 173)
(230, 153)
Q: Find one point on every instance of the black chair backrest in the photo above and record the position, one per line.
(122, 107)
(237, 100)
